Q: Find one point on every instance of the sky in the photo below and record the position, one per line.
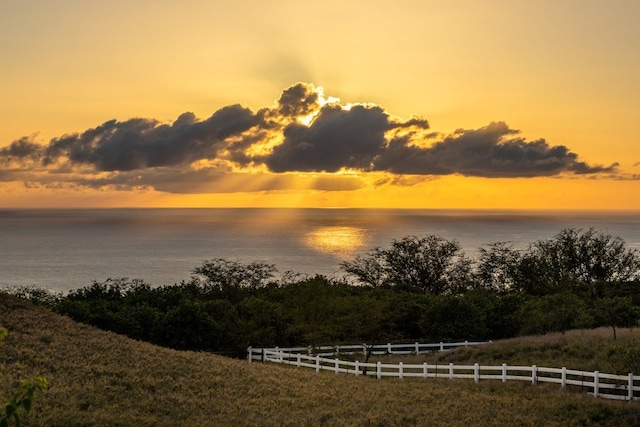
(498, 104)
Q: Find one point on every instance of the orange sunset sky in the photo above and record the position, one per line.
(406, 104)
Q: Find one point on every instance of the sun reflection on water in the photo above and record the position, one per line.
(341, 242)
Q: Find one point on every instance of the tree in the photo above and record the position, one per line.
(186, 326)
(223, 274)
(454, 317)
(263, 323)
(428, 264)
(498, 267)
(557, 312)
(616, 312)
(575, 258)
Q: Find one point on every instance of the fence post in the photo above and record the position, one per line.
(277, 355)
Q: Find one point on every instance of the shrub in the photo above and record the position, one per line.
(22, 400)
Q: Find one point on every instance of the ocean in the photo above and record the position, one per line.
(64, 249)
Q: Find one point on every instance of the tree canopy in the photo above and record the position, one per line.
(419, 288)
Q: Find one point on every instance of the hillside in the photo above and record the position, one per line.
(98, 378)
(587, 350)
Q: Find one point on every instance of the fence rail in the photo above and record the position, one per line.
(607, 386)
(378, 349)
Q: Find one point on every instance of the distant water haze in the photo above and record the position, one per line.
(68, 249)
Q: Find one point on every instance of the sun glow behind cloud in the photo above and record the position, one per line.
(307, 149)
(565, 73)
(321, 102)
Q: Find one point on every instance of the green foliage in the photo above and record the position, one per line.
(573, 260)
(107, 380)
(35, 294)
(450, 318)
(186, 327)
(498, 267)
(264, 323)
(418, 289)
(555, 313)
(22, 400)
(617, 312)
(576, 258)
(425, 264)
(226, 274)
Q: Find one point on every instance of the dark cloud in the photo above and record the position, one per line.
(20, 149)
(142, 143)
(298, 100)
(491, 151)
(301, 132)
(336, 139)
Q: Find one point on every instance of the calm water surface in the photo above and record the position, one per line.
(68, 249)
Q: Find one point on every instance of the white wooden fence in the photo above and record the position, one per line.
(608, 386)
(379, 349)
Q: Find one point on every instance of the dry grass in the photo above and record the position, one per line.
(588, 350)
(98, 378)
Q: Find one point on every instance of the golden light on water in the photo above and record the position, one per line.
(341, 242)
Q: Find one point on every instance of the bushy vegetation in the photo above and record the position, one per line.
(21, 401)
(98, 378)
(420, 288)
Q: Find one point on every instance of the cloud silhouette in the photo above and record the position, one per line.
(302, 132)
(143, 143)
(336, 139)
(491, 151)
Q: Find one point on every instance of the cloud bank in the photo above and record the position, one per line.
(237, 149)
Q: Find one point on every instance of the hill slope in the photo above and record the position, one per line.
(98, 378)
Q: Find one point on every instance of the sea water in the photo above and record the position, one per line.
(64, 249)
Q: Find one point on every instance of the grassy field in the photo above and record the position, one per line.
(587, 350)
(98, 378)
